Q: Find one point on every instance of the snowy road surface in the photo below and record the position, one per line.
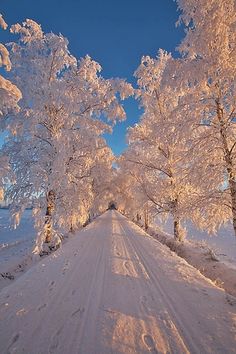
(113, 289)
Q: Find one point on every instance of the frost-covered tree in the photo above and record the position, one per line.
(58, 128)
(90, 174)
(158, 146)
(9, 97)
(102, 180)
(128, 194)
(9, 93)
(209, 49)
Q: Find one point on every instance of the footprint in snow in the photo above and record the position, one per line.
(143, 303)
(66, 267)
(205, 292)
(42, 307)
(230, 300)
(54, 345)
(126, 265)
(78, 311)
(51, 285)
(14, 340)
(149, 342)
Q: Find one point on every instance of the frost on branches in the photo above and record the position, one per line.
(209, 49)
(182, 152)
(57, 142)
(9, 97)
(9, 93)
(181, 159)
(157, 155)
(127, 194)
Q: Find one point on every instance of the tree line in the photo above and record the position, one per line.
(180, 160)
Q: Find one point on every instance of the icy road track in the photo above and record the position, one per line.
(113, 289)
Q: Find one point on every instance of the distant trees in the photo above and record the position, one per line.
(126, 191)
(102, 176)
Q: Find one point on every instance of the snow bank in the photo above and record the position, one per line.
(207, 259)
(223, 242)
(16, 246)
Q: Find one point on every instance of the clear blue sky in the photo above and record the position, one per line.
(116, 33)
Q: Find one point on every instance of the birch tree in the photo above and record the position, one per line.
(157, 155)
(209, 49)
(128, 194)
(58, 128)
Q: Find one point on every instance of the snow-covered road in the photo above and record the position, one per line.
(113, 289)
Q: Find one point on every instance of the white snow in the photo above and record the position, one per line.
(201, 254)
(15, 245)
(3, 24)
(223, 242)
(114, 289)
(8, 235)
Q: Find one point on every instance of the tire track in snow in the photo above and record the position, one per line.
(92, 309)
(96, 287)
(182, 331)
(79, 316)
(59, 293)
(146, 327)
(197, 338)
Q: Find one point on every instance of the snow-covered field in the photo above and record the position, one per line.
(114, 289)
(223, 242)
(15, 245)
(8, 236)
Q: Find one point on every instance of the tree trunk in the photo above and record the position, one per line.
(48, 226)
(229, 162)
(232, 185)
(71, 227)
(177, 229)
(146, 221)
(72, 224)
(177, 225)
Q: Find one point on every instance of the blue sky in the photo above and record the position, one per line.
(114, 33)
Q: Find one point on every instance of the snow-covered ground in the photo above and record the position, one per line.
(8, 236)
(114, 289)
(223, 242)
(15, 245)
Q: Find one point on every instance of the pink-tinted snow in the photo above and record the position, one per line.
(114, 289)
